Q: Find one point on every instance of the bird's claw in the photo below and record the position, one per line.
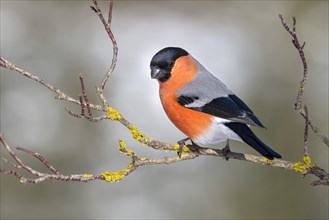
(181, 144)
(226, 150)
(192, 147)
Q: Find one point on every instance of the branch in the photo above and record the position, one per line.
(60, 95)
(85, 105)
(299, 106)
(302, 108)
(107, 26)
(39, 176)
(141, 161)
(186, 152)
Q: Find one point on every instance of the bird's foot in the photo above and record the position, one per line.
(183, 141)
(192, 147)
(226, 150)
(181, 144)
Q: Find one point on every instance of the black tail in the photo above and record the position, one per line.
(250, 138)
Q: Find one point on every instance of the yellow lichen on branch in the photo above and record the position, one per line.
(302, 167)
(117, 176)
(267, 160)
(184, 149)
(114, 176)
(87, 175)
(123, 149)
(139, 136)
(113, 114)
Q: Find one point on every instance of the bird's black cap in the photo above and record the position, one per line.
(164, 60)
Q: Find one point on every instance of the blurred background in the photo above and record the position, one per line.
(241, 42)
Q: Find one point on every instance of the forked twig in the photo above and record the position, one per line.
(85, 105)
(39, 157)
(299, 106)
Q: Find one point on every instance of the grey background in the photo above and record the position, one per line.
(241, 42)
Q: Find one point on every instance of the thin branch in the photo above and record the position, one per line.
(20, 163)
(74, 114)
(108, 29)
(83, 107)
(141, 161)
(60, 95)
(85, 96)
(306, 132)
(109, 19)
(318, 132)
(40, 176)
(2, 62)
(85, 104)
(299, 100)
(41, 158)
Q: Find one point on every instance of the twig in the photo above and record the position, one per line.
(40, 176)
(115, 48)
(299, 100)
(306, 132)
(85, 96)
(303, 111)
(60, 95)
(20, 163)
(2, 62)
(41, 158)
(141, 161)
(109, 19)
(85, 104)
(83, 107)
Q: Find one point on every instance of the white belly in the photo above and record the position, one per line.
(216, 133)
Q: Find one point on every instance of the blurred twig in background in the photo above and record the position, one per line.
(186, 152)
(299, 106)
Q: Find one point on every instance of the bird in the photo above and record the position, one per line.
(202, 106)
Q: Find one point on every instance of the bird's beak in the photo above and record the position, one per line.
(156, 72)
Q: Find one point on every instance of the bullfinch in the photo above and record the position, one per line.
(200, 105)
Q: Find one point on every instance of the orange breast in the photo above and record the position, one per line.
(192, 123)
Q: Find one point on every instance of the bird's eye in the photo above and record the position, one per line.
(171, 65)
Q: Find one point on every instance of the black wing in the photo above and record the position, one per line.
(230, 107)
